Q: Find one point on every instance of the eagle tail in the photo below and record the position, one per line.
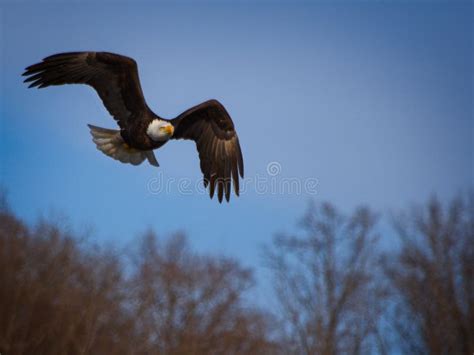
(111, 143)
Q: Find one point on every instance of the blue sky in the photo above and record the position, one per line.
(372, 99)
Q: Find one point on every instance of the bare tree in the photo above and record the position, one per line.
(432, 278)
(192, 304)
(56, 298)
(59, 295)
(325, 282)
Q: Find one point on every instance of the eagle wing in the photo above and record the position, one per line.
(211, 127)
(114, 77)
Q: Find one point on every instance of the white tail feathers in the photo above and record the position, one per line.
(111, 143)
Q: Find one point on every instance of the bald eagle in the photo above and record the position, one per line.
(115, 78)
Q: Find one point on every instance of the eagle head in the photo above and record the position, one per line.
(160, 130)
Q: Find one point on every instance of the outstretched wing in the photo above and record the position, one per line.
(211, 127)
(114, 77)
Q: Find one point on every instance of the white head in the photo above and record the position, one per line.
(160, 130)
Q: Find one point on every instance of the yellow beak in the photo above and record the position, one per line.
(169, 130)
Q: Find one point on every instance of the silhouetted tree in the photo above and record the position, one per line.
(432, 278)
(326, 285)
